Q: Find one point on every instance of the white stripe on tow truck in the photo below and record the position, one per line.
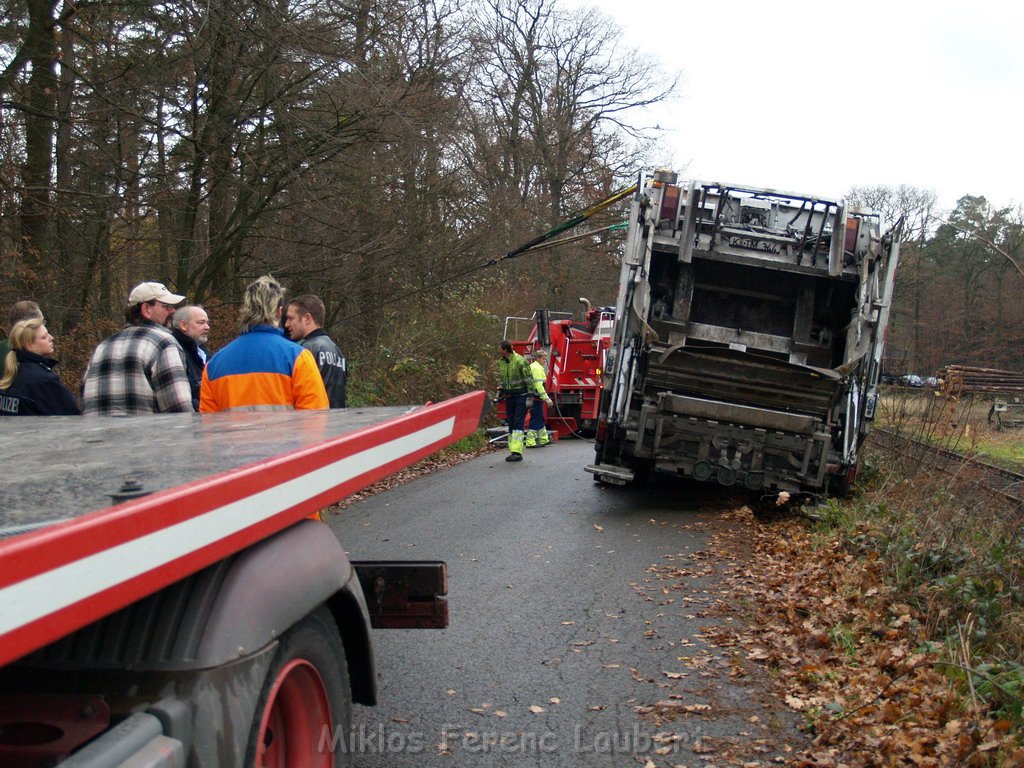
(62, 587)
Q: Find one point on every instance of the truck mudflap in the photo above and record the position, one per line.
(404, 595)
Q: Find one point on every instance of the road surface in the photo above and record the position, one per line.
(573, 606)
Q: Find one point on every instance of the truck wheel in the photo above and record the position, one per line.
(840, 486)
(304, 712)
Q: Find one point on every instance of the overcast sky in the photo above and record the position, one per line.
(816, 96)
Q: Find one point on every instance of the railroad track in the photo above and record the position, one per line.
(998, 480)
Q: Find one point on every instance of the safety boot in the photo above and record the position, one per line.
(515, 446)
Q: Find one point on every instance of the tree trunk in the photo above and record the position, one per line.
(40, 114)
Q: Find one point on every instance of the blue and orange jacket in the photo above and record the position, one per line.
(262, 371)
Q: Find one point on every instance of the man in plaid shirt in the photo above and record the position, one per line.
(141, 368)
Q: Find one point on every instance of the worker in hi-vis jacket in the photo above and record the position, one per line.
(537, 435)
(515, 379)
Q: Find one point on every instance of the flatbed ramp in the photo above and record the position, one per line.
(217, 483)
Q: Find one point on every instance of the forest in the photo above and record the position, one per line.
(385, 156)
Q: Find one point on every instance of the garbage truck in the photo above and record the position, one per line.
(748, 337)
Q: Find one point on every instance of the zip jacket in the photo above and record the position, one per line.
(331, 363)
(514, 375)
(36, 390)
(538, 377)
(194, 362)
(261, 370)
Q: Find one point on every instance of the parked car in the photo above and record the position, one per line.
(911, 380)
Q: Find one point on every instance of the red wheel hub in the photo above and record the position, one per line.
(295, 729)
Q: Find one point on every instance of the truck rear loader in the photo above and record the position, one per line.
(749, 329)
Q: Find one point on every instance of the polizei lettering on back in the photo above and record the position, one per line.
(326, 357)
(9, 404)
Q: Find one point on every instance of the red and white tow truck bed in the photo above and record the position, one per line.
(218, 483)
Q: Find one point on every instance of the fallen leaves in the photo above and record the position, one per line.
(848, 657)
(795, 703)
(672, 705)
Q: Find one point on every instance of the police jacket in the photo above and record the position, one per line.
(331, 362)
(194, 362)
(36, 390)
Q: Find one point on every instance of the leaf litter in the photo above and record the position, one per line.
(851, 661)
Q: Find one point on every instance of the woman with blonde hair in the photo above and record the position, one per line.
(29, 387)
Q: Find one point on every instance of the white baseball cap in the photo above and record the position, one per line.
(144, 292)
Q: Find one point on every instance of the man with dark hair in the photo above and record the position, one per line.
(261, 370)
(20, 310)
(141, 368)
(191, 329)
(515, 379)
(304, 323)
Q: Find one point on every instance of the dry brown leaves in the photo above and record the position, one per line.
(847, 656)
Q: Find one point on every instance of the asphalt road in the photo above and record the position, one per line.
(572, 605)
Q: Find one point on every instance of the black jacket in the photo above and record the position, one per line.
(331, 362)
(193, 362)
(36, 390)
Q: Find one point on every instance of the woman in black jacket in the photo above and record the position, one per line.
(29, 387)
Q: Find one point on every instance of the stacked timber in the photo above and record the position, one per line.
(967, 378)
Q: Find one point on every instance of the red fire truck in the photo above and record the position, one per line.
(166, 600)
(576, 352)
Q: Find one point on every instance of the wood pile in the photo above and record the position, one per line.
(966, 378)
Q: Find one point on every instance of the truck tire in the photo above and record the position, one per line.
(304, 712)
(841, 486)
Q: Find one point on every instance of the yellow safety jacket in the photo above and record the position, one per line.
(514, 375)
(539, 376)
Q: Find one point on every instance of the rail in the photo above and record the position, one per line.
(999, 480)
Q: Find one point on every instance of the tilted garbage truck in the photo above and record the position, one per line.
(749, 329)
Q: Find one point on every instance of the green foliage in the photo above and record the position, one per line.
(957, 559)
(446, 350)
(844, 638)
(468, 444)
(958, 298)
(1003, 684)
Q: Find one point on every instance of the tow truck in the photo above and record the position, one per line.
(576, 350)
(167, 600)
